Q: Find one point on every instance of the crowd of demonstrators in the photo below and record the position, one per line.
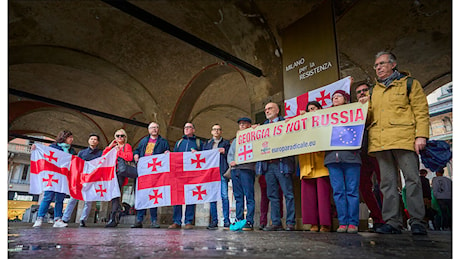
(150, 145)
(63, 142)
(223, 145)
(315, 187)
(397, 130)
(88, 154)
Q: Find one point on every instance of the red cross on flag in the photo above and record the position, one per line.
(323, 95)
(55, 170)
(178, 179)
(245, 152)
(48, 170)
(98, 178)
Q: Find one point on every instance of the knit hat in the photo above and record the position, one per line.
(344, 94)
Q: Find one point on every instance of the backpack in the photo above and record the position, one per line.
(436, 155)
(198, 143)
(408, 86)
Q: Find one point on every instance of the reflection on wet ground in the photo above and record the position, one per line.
(123, 242)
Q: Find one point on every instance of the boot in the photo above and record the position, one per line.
(113, 220)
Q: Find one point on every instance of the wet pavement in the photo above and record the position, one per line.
(95, 241)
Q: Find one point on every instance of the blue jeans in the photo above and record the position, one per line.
(71, 205)
(189, 214)
(225, 203)
(58, 205)
(344, 179)
(141, 213)
(276, 179)
(243, 186)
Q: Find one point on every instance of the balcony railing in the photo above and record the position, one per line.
(19, 148)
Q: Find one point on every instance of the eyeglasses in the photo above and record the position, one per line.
(216, 129)
(186, 127)
(381, 64)
(120, 136)
(362, 90)
(153, 127)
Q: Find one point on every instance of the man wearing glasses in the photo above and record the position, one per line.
(217, 142)
(399, 127)
(150, 145)
(189, 142)
(369, 165)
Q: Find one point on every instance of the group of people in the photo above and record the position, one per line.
(397, 130)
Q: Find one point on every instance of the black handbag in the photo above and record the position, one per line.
(126, 169)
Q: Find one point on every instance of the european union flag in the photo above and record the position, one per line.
(347, 135)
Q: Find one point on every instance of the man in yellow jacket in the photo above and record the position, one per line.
(399, 127)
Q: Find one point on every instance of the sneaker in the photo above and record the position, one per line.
(342, 229)
(314, 228)
(352, 229)
(226, 226)
(248, 227)
(261, 227)
(325, 228)
(387, 229)
(418, 229)
(50, 221)
(212, 226)
(59, 223)
(38, 222)
(154, 224)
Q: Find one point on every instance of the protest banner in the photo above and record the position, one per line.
(335, 128)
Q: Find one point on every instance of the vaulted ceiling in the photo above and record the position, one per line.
(92, 55)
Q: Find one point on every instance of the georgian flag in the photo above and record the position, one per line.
(153, 169)
(177, 179)
(48, 170)
(99, 181)
(55, 170)
(323, 95)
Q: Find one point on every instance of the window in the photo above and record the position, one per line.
(447, 124)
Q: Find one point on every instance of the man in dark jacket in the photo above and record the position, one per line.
(278, 174)
(188, 143)
(223, 145)
(150, 145)
(88, 154)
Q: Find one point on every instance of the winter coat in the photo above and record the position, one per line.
(396, 119)
(223, 165)
(312, 165)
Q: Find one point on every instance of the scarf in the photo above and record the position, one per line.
(65, 147)
(387, 81)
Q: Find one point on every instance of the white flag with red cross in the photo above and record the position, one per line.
(49, 168)
(322, 95)
(55, 170)
(178, 179)
(98, 178)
